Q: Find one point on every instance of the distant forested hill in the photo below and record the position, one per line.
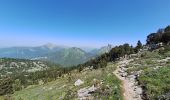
(10, 66)
(66, 56)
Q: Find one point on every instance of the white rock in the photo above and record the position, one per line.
(139, 91)
(92, 89)
(83, 93)
(78, 82)
(124, 74)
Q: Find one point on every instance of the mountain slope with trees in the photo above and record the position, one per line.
(148, 69)
(66, 56)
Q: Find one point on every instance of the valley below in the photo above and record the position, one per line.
(122, 72)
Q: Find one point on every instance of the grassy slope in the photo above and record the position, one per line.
(148, 60)
(62, 88)
(156, 81)
(1, 98)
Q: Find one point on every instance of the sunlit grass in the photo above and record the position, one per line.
(62, 86)
(157, 82)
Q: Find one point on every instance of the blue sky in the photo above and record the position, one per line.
(89, 23)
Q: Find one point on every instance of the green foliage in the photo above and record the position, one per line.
(165, 51)
(17, 85)
(156, 82)
(24, 79)
(62, 89)
(116, 89)
(68, 57)
(20, 77)
(101, 61)
(13, 67)
(166, 37)
(138, 47)
(69, 95)
(120, 51)
(6, 86)
(160, 36)
(167, 29)
(154, 38)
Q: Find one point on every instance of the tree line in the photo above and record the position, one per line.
(162, 35)
(114, 54)
(18, 81)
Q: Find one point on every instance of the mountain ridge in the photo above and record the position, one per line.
(50, 52)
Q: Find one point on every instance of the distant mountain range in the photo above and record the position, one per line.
(66, 56)
(102, 50)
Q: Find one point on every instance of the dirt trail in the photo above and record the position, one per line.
(131, 92)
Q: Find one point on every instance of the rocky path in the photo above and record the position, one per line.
(130, 89)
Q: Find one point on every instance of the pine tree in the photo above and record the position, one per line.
(139, 45)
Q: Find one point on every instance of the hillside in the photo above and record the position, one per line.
(132, 70)
(69, 56)
(9, 66)
(66, 56)
(16, 74)
(140, 76)
(27, 52)
(64, 88)
(84, 50)
(102, 50)
(125, 72)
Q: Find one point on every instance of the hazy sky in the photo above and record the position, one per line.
(80, 22)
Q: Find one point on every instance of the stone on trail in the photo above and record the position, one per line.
(83, 93)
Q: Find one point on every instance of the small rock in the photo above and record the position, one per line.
(78, 82)
(124, 74)
(132, 77)
(138, 91)
(92, 89)
(85, 93)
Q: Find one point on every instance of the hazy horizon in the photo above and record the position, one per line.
(80, 23)
(57, 45)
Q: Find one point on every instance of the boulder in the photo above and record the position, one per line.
(85, 93)
(92, 89)
(78, 82)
